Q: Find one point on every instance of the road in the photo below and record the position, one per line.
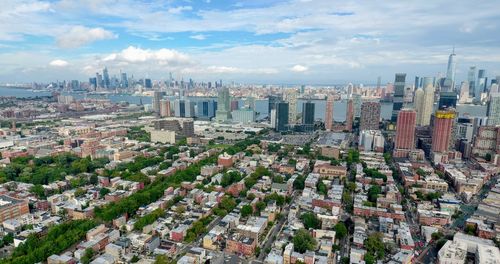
(275, 230)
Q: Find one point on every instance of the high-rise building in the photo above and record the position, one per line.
(471, 78)
(308, 116)
(480, 84)
(419, 104)
(93, 82)
(206, 109)
(370, 116)
(234, 105)
(272, 100)
(428, 106)
(98, 77)
(243, 115)
(441, 130)
(165, 110)
(405, 130)
(291, 98)
(124, 80)
(223, 113)
(105, 75)
(157, 96)
(379, 81)
(494, 109)
(282, 116)
(399, 93)
(148, 84)
(464, 92)
(350, 115)
(449, 83)
(356, 100)
(180, 108)
(447, 100)
(329, 113)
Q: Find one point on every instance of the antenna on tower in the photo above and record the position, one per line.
(453, 52)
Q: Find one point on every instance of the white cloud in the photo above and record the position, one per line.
(179, 9)
(299, 68)
(79, 36)
(58, 63)
(199, 37)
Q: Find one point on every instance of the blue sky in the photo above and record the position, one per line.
(292, 41)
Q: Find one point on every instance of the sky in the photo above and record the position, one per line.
(248, 41)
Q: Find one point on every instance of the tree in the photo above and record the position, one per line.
(135, 259)
(321, 188)
(179, 210)
(103, 192)
(299, 183)
(87, 256)
(375, 246)
(373, 193)
(340, 230)
(303, 241)
(310, 220)
(436, 236)
(260, 206)
(246, 210)
(80, 192)
(38, 190)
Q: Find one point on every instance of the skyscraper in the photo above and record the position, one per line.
(399, 93)
(449, 83)
(480, 84)
(350, 116)
(206, 109)
(98, 77)
(428, 105)
(419, 104)
(442, 128)
(148, 84)
(471, 78)
(494, 109)
(165, 110)
(464, 92)
(291, 98)
(308, 116)
(272, 100)
(180, 108)
(124, 80)
(157, 96)
(223, 111)
(281, 116)
(447, 100)
(405, 130)
(356, 100)
(370, 116)
(329, 113)
(234, 105)
(105, 76)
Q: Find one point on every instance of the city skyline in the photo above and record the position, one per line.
(313, 42)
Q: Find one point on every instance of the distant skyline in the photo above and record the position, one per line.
(258, 41)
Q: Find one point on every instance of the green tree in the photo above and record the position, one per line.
(340, 230)
(38, 190)
(310, 220)
(375, 246)
(373, 193)
(303, 241)
(321, 188)
(87, 256)
(246, 210)
(103, 191)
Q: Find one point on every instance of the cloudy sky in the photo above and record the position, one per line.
(257, 41)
